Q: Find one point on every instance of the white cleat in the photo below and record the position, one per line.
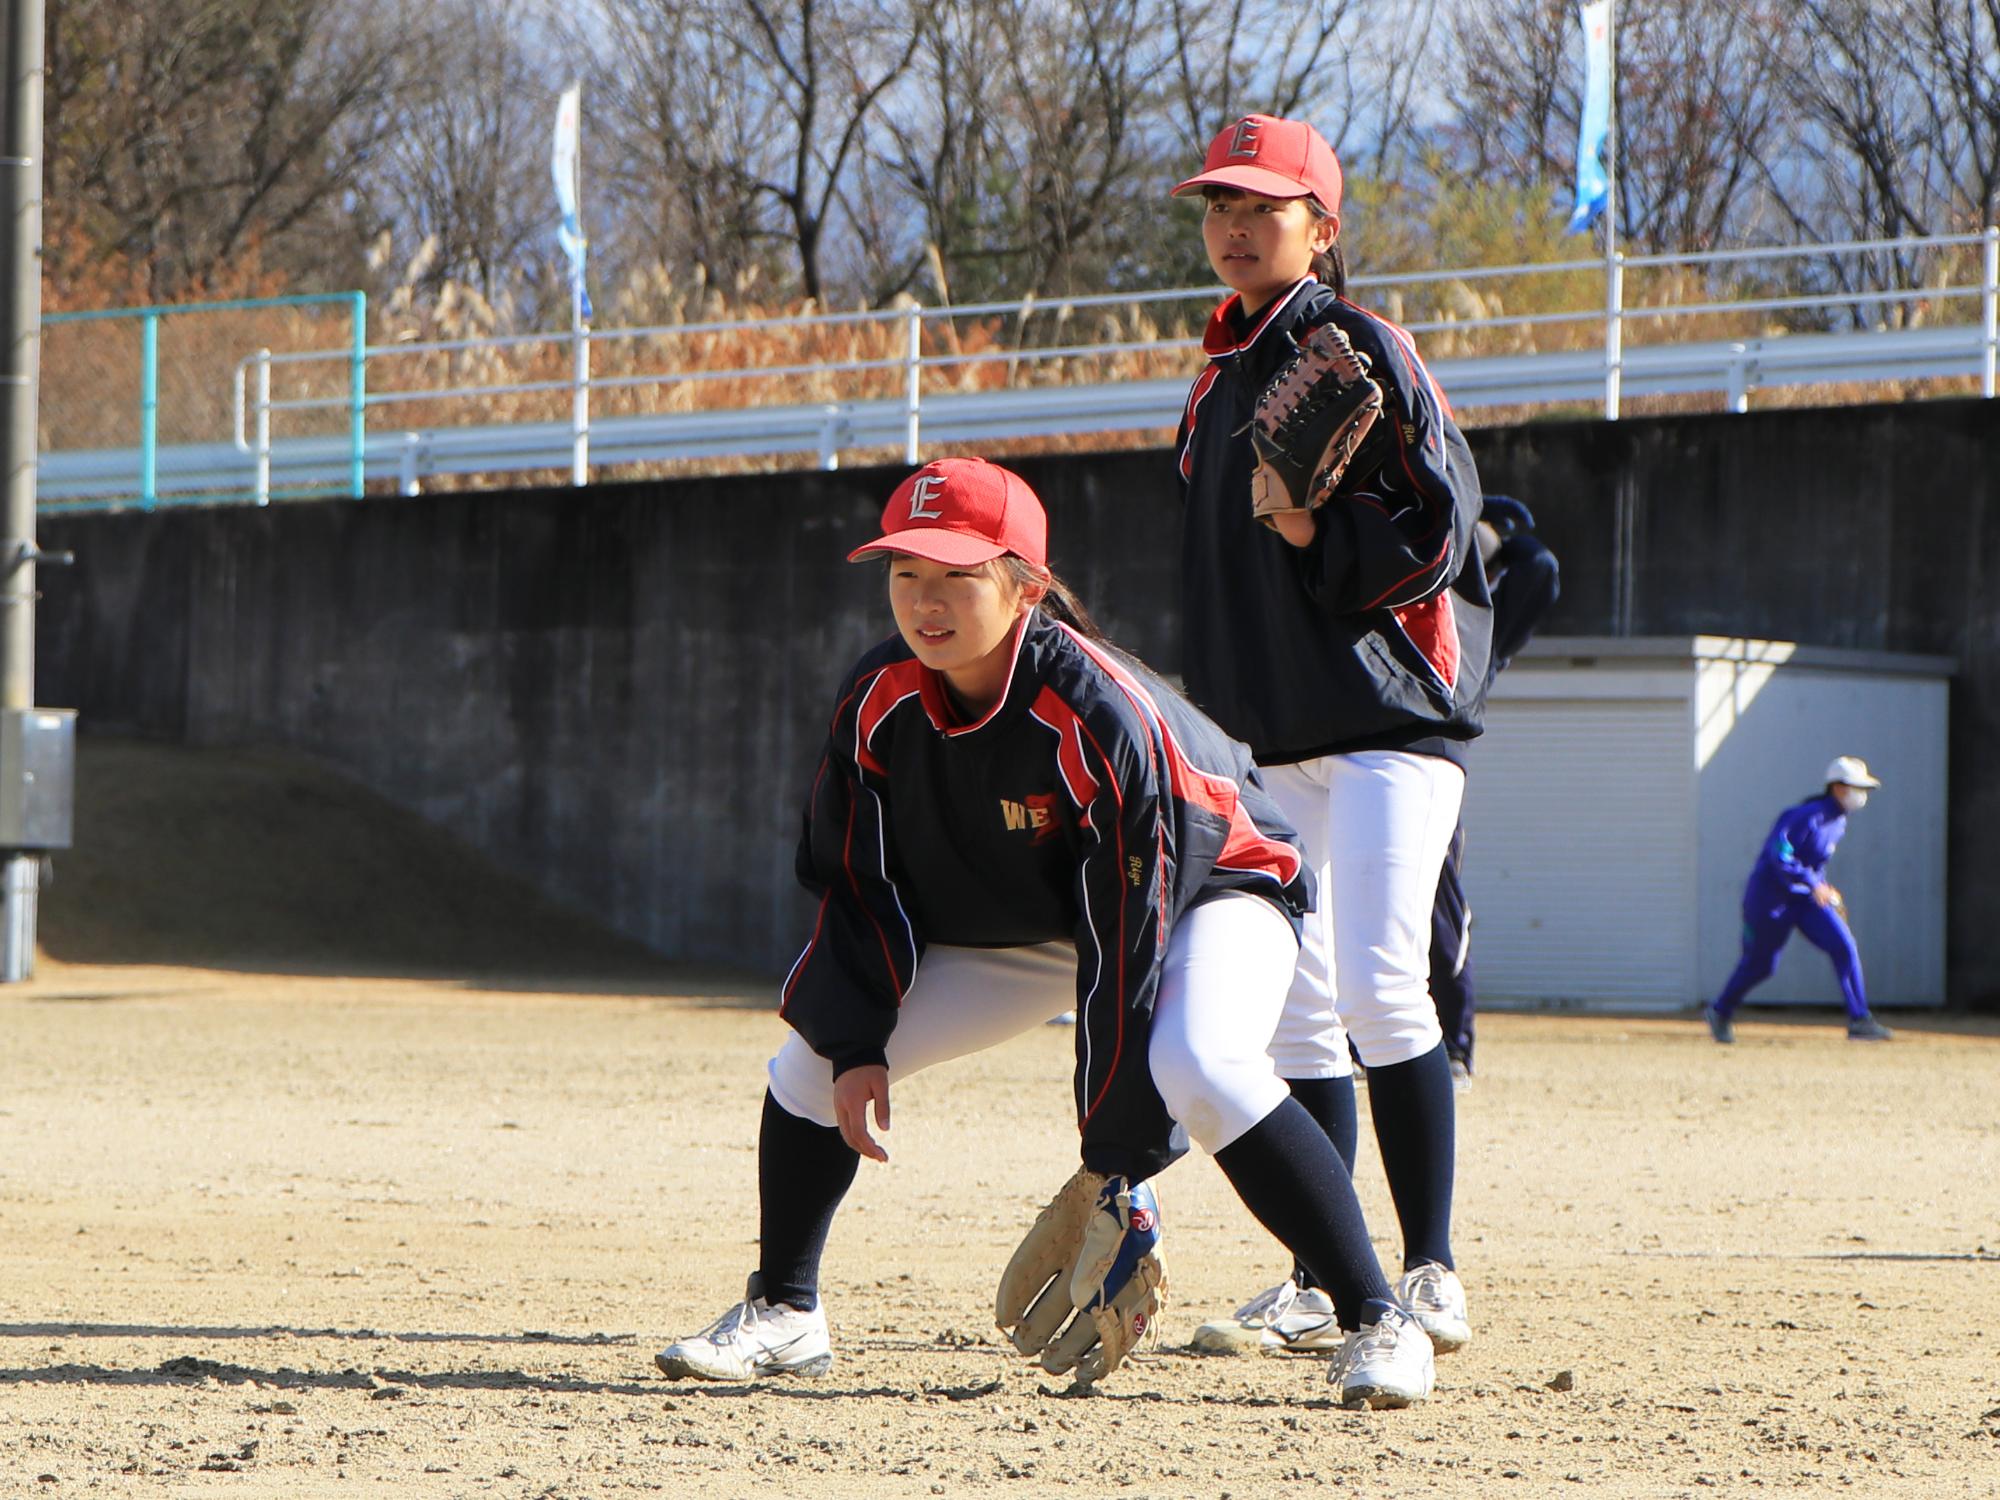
(753, 1339)
(1286, 1317)
(1386, 1363)
(1435, 1297)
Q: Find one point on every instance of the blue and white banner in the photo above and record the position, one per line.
(1593, 187)
(565, 165)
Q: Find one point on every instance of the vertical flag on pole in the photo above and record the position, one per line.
(1593, 188)
(566, 167)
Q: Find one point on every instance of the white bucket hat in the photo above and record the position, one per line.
(1849, 770)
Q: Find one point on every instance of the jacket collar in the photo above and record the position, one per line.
(1023, 685)
(1220, 339)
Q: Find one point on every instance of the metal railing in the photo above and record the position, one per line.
(908, 344)
(145, 464)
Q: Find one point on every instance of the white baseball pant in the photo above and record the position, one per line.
(1376, 825)
(1229, 964)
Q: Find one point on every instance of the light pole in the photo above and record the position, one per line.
(37, 746)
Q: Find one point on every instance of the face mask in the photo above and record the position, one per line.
(1851, 798)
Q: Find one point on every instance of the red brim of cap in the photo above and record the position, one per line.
(1260, 180)
(953, 548)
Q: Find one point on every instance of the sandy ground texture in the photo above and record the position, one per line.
(296, 1233)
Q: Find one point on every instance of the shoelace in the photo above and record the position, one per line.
(1424, 1287)
(1266, 1308)
(731, 1325)
(1379, 1338)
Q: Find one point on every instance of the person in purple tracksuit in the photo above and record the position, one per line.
(1788, 889)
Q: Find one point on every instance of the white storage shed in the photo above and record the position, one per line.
(1624, 786)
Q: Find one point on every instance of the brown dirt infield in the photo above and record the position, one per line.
(306, 1235)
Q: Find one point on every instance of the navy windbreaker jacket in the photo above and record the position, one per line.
(1092, 805)
(1374, 637)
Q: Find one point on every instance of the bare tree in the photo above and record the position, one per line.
(1899, 135)
(182, 131)
(1344, 64)
(678, 189)
(1040, 140)
(1962, 50)
(1696, 106)
(1394, 69)
(465, 167)
(938, 160)
(1517, 98)
(1072, 101)
(1027, 139)
(1901, 104)
(753, 111)
(1695, 110)
(846, 147)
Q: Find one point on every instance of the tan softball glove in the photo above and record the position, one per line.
(1087, 1283)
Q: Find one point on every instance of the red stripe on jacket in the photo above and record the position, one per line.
(1247, 847)
(891, 686)
(1202, 383)
(1432, 627)
(879, 699)
(1218, 342)
(1050, 709)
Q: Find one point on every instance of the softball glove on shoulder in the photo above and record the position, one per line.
(1088, 1281)
(1311, 424)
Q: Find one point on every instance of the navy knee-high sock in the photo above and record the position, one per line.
(1330, 1101)
(803, 1171)
(1416, 1129)
(1287, 1173)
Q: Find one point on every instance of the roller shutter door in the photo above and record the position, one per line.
(1580, 851)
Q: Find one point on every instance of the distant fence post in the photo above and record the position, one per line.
(407, 482)
(831, 429)
(263, 427)
(149, 410)
(912, 393)
(357, 396)
(1989, 297)
(1614, 332)
(579, 405)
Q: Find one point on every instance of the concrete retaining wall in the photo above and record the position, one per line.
(619, 691)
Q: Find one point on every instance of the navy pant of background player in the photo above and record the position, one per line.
(1764, 935)
(1529, 582)
(1451, 953)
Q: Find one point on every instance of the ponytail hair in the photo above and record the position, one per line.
(1059, 601)
(1329, 265)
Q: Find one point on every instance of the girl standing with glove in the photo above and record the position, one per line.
(1347, 646)
(1012, 819)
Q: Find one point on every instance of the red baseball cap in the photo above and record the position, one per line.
(1273, 157)
(962, 511)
